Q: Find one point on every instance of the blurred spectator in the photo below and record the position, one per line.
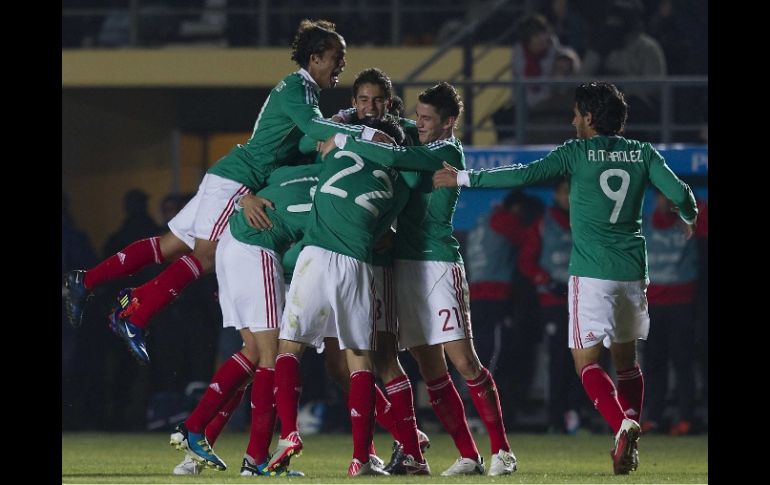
(538, 54)
(138, 223)
(622, 48)
(568, 23)
(491, 249)
(544, 260)
(673, 271)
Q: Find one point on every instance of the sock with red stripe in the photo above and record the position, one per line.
(449, 408)
(631, 392)
(361, 404)
(262, 415)
(161, 290)
(226, 381)
(216, 425)
(486, 399)
(603, 394)
(125, 262)
(402, 409)
(288, 387)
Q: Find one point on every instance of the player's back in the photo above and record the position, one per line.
(290, 189)
(353, 196)
(609, 177)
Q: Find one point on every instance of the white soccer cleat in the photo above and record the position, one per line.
(465, 466)
(357, 469)
(625, 454)
(503, 463)
(188, 466)
(377, 461)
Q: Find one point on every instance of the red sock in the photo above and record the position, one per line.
(361, 404)
(449, 408)
(225, 382)
(631, 392)
(346, 396)
(126, 262)
(483, 391)
(384, 415)
(215, 427)
(161, 290)
(262, 415)
(288, 387)
(603, 394)
(402, 409)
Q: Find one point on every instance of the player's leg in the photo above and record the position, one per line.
(486, 400)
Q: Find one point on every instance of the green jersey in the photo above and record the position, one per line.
(608, 179)
(291, 191)
(425, 225)
(290, 110)
(354, 198)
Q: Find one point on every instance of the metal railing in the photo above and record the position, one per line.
(665, 127)
(265, 17)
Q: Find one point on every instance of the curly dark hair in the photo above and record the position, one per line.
(397, 107)
(313, 37)
(606, 104)
(444, 98)
(375, 76)
(387, 125)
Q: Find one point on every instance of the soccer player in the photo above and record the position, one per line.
(372, 95)
(431, 289)
(333, 278)
(608, 265)
(290, 110)
(251, 294)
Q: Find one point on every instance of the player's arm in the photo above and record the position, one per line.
(424, 157)
(301, 107)
(553, 165)
(672, 187)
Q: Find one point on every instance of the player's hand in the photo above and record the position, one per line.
(382, 137)
(324, 147)
(337, 119)
(446, 177)
(254, 211)
(688, 230)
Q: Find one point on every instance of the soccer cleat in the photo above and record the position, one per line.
(199, 446)
(76, 295)
(376, 460)
(287, 447)
(423, 440)
(395, 460)
(123, 328)
(635, 457)
(623, 459)
(196, 446)
(357, 469)
(249, 470)
(465, 466)
(503, 463)
(188, 466)
(179, 437)
(407, 465)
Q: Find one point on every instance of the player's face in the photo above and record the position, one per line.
(582, 124)
(370, 101)
(429, 125)
(326, 68)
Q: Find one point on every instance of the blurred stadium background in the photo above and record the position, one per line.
(155, 91)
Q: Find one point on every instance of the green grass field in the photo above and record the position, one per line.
(147, 458)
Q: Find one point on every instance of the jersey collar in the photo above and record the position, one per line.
(302, 72)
